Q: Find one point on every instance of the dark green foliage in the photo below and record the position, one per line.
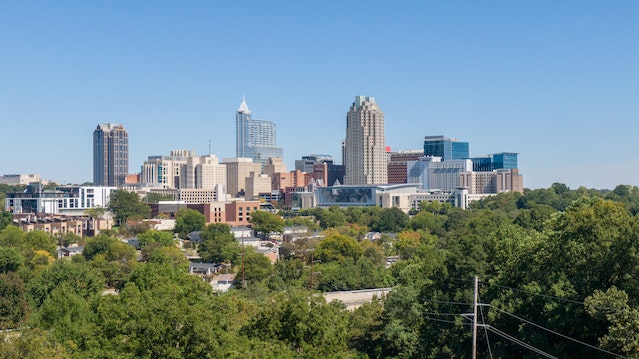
(10, 259)
(255, 266)
(304, 322)
(266, 222)
(5, 218)
(390, 220)
(337, 247)
(128, 205)
(564, 259)
(218, 244)
(188, 220)
(153, 236)
(13, 301)
(85, 281)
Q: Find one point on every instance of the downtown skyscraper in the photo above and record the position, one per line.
(110, 154)
(255, 139)
(365, 145)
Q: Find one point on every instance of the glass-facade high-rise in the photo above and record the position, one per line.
(365, 145)
(496, 161)
(255, 138)
(446, 148)
(110, 154)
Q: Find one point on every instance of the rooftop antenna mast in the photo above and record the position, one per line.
(209, 147)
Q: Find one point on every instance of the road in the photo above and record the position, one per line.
(354, 298)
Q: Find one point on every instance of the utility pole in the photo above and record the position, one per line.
(242, 262)
(475, 298)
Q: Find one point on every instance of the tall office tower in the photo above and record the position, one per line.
(110, 154)
(365, 148)
(255, 138)
(446, 148)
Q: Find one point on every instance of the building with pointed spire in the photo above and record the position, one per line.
(255, 139)
(365, 155)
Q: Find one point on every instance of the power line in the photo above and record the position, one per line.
(556, 333)
(446, 302)
(447, 321)
(533, 293)
(519, 342)
(483, 320)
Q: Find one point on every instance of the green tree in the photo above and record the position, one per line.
(38, 240)
(127, 205)
(12, 236)
(155, 236)
(612, 307)
(31, 344)
(218, 244)
(264, 222)
(188, 220)
(85, 280)
(14, 307)
(256, 266)
(337, 247)
(96, 245)
(6, 218)
(390, 220)
(304, 322)
(332, 218)
(10, 259)
(156, 253)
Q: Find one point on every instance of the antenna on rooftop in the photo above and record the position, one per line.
(209, 147)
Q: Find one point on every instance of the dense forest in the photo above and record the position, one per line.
(557, 272)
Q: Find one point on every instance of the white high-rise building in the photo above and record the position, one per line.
(365, 145)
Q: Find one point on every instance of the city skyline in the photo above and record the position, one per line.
(555, 82)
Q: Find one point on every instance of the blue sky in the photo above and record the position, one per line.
(555, 81)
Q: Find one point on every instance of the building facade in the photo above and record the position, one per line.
(446, 148)
(110, 154)
(365, 145)
(398, 165)
(183, 169)
(255, 139)
(63, 200)
(237, 170)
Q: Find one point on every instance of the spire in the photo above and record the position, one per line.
(243, 107)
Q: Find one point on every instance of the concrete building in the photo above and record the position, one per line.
(365, 155)
(204, 172)
(110, 154)
(398, 165)
(492, 182)
(255, 139)
(434, 174)
(166, 171)
(20, 179)
(274, 165)
(237, 170)
(256, 184)
(69, 200)
(183, 169)
(238, 213)
(323, 168)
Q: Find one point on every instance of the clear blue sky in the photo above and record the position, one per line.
(555, 81)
